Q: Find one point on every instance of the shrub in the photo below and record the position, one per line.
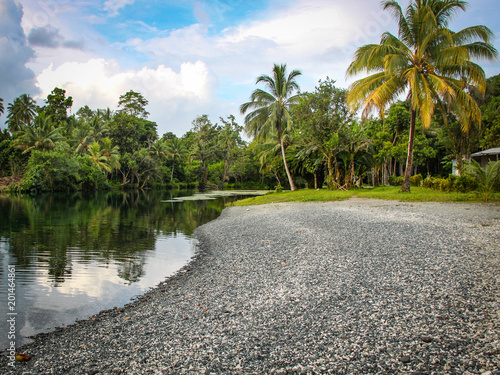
(50, 171)
(464, 183)
(396, 180)
(445, 184)
(90, 176)
(416, 180)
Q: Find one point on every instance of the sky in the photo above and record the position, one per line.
(189, 57)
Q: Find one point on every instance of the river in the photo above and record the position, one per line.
(75, 254)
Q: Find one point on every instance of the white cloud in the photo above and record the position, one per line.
(317, 37)
(113, 6)
(175, 98)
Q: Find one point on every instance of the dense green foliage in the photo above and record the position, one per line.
(297, 140)
(429, 62)
(325, 145)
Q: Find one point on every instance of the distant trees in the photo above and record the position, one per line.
(429, 61)
(21, 112)
(57, 106)
(133, 104)
(42, 136)
(324, 143)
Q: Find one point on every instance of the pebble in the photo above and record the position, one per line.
(348, 287)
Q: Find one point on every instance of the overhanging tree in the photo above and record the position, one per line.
(428, 62)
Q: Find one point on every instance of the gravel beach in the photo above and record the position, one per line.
(352, 287)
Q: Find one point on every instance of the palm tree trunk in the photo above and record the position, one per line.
(409, 160)
(290, 180)
(172, 172)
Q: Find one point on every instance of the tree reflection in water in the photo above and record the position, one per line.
(53, 231)
(78, 254)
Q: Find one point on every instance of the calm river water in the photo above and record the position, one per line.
(75, 255)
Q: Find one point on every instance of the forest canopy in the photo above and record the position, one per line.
(324, 144)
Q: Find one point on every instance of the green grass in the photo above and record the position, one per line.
(417, 194)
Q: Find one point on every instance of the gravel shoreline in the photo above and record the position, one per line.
(352, 287)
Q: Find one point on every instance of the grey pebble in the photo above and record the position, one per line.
(354, 287)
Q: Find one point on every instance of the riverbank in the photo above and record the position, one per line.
(358, 286)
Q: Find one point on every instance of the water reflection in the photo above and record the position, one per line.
(76, 255)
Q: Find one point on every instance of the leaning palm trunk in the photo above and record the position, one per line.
(288, 174)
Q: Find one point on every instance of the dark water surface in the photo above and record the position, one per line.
(75, 255)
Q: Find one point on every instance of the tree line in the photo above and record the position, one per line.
(424, 104)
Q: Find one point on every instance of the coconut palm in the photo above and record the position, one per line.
(82, 137)
(428, 62)
(105, 155)
(271, 110)
(43, 135)
(105, 114)
(176, 151)
(98, 158)
(21, 112)
(111, 153)
(159, 149)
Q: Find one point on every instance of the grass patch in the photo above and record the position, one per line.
(418, 194)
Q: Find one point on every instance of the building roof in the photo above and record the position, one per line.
(491, 151)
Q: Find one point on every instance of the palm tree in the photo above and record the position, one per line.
(271, 110)
(428, 62)
(105, 114)
(43, 135)
(98, 158)
(159, 149)
(105, 155)
(82, 137)
(486, 178)
(111, 153)
(21, 112)
(1, 106)
(176, 151)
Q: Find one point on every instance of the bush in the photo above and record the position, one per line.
(396, 180)
(416, 180)
(91, 178)
(50, 171)
(462, 184)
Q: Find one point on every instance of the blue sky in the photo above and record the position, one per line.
(188, 57)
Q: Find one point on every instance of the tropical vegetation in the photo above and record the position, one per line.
(428, 62)
(426, 106)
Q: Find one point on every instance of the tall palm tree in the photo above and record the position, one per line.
(21, 112)
(43, 135)
(176, 151)
(271, 110)
(428, 62)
